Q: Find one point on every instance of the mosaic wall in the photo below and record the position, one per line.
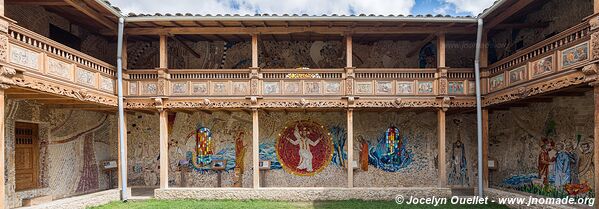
(558, 14)
(37, 19)
(294, 54)
(302, 149)
(69, 155)
(545, 149)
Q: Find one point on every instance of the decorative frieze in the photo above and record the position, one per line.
(80, 94)
(106, 84)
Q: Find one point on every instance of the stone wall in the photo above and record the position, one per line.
(559, 15)
(414, 166)
(293, 54)
(564, 127)
(38, 20)
(72, 145)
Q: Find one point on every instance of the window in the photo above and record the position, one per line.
(26, 156)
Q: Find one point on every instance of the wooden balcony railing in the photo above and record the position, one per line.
(296, 82)
(564, 51)
(38, 55)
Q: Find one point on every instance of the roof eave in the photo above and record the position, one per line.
(304, 18)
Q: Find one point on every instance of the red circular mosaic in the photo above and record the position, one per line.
(304, 148)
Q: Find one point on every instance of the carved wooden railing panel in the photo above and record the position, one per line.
(296, 82)
(45, 58)
(565, 51)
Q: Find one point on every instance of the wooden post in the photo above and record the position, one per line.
(254, 50)
(485, 120)
(350, 148)
(442, 164)
(255, 149)
(2, 146)
(596, 140)
(163, 149)
(163, 52)
(124, 55)
(441, 50)
(123, 166)
(596, 10)
(348, 50)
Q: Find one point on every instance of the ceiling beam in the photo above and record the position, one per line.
(507, 13)
(84, 8)
(38, 2)
(288, 30)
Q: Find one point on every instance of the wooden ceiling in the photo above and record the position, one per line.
(88, 13)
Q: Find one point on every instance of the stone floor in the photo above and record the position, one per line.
(142, 193)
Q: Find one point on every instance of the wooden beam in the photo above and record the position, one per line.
(485, 139)
(2, 146)
(509, 12)
(187, 47)
(414, 50)
(124, 55)
(596, 140)
(37, 2)
(504, 26)
(348, 51)
(254, 50)
(441, 50)
(84, 8)
(255, 149)
(164, 149)
(289, 30)
(350, 148)
(442, 178)
(163, 56)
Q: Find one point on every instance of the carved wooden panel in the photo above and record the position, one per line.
(106, 84)
(24, 57)
(85, 77)
(59, 68)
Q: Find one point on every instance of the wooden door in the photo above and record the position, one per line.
(26, 156)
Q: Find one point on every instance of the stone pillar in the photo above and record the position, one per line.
(442, 182)
(255, 149)
(163, 149)
(124, 165)
(350, 148)
(485, 120)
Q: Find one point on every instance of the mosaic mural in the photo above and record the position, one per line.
(552, 149)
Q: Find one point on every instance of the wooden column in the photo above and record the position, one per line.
(596, 10)
(596, 141)
(350, 148)
(442, 182)
(124, 55)
(441, 50)
(163, 52)
(348, 51)
(254, 50)
(2, 147)
(255, 149)
(123, 166)
(163, 149)
(485, 120)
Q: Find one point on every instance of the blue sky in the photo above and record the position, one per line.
(313, 7)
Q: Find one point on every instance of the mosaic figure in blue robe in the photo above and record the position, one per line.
(459, 165)
(562, 167)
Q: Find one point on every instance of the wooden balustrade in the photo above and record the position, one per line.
(42, 57)
(567, 50)
(294, 82)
